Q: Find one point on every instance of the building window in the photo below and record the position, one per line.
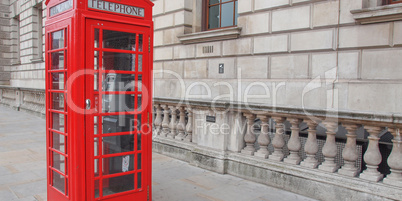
(38, 13)
(220, 14)
(16, 40)
(392, 1)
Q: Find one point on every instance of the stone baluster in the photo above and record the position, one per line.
(263, 139)
(173, 122)
(395, 160)
(249, 137)
(349, 153)
(189, 127)
(311, 146)
(329, 150)
(158, 119)
(165, 122)
(372, 157)
(294, 144)
(278, 142)
(181, 126)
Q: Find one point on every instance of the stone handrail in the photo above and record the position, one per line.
(26, 99)
(174, 120)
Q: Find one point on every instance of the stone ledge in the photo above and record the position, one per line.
(380, 119)
(378, 14)
(208, 36)
(310, 182)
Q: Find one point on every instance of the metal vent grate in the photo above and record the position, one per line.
(207, 49)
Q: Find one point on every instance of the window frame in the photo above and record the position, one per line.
(205, 14)
(390, 2)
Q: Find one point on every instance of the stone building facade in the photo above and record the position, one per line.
(287, 70)
(284, 46)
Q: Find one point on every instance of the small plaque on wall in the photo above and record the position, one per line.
(211, 119)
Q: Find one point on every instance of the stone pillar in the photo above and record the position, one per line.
(329, 150)
(165, 122)
(181, 126)
(249, 137)
(278, 142)
(173, 122)
(372, 157)
(349, 153)
(311, 146)
(294, 144)
(395, 160)
(158, 119)
(189, 127)
(263, 138)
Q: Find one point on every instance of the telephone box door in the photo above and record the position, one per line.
(118, 147)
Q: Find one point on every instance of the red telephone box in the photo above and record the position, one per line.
(98, 87)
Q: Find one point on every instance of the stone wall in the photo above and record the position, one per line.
(5, 44)
(303, 53)
(27, 58)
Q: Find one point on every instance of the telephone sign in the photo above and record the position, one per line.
(116, 8)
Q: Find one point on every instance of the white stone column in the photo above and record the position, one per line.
(189, 127)
(395, 160)
(311, 146)
(329, 150)
(294, 144)
(278, 142)
(173, 122)
(165, 122)
(372, 157)
(249, 137)
(158, 119)
(263, 139)
(349, 153)
(181, 126)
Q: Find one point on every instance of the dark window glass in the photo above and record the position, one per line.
(58, 181)
(211, 2)
(213, 17)
(118, 184)
(58, 122)
(118, 164)
(59, 162)
(57, 60)
(118, 144)
(58, 40)
(58, 101)
(58, 81)
(118, 40)
(118, 61)
(59, 142)
(139, 180)
(118, 103)
(116, 124)
(118, 82)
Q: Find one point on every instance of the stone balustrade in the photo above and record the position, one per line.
(28, 100)
(342, 147)
(173, 122)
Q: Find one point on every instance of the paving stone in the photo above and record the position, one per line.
(29, 189)
(173, 180)
(7, 195)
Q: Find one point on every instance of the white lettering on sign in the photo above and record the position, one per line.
(116, 8)
(59, 8)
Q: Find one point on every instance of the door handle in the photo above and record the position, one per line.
(88, 104)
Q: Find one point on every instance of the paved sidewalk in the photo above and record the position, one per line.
(23, 170)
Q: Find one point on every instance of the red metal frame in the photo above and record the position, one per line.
(78, 24)
(394, 1)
